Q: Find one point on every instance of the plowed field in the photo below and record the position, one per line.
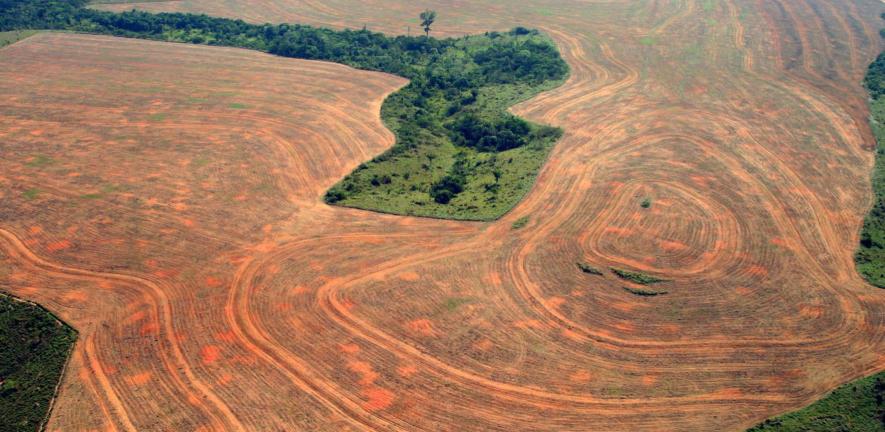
(165, 200)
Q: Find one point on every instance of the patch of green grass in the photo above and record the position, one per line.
(91, 196)
(858, 406)
(35, 346)
(11, 37)
(646, 202)
(613, 391)
(519, 223)
(693, 55)
(643, 293)
(157, 117)
(31, 193)
(236, 105)
(110, 188)
(647, 40)
(870, 255)
(587, 268)
(264, 188)
(200, 161)
(40, 161)
(636, 277)
(708, 5)
(453, 303)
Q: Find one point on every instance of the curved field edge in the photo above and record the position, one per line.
(858, 406)
(36, 348)
(459, 152)
(870, 256)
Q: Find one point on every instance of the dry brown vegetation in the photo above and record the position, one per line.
(165, 200)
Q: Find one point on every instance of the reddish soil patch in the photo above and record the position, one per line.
(57, 246)
(209, 353)
(378, 398)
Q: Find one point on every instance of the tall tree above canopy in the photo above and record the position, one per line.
(427, 19)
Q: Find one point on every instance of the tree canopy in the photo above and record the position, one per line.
(427, 19)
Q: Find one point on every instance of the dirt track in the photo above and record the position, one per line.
(178, 225)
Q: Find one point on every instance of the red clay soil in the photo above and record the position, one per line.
(166, 200)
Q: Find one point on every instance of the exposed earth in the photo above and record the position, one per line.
(166, 201)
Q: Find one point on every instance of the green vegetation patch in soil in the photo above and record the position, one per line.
(587, 268)
(636, 277)
(644, 293)
(519, 223)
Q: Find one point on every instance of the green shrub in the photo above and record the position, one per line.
(644, 293)
(587, 268)
(519, 223)
(636, 277)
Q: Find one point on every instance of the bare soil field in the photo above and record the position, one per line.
(165, 200)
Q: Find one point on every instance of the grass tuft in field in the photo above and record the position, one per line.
(31, 193)
(519, 223)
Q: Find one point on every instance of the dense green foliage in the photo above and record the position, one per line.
(34, 347)
(587, 268)
(458, 154)
(875, 78)
(858, 406)
(636, 277)
(870, 256)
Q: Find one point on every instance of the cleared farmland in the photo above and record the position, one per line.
(177, 224)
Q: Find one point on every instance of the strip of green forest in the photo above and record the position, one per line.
(34, 347)
(870, 256)
(858, 406)
(459, 153)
